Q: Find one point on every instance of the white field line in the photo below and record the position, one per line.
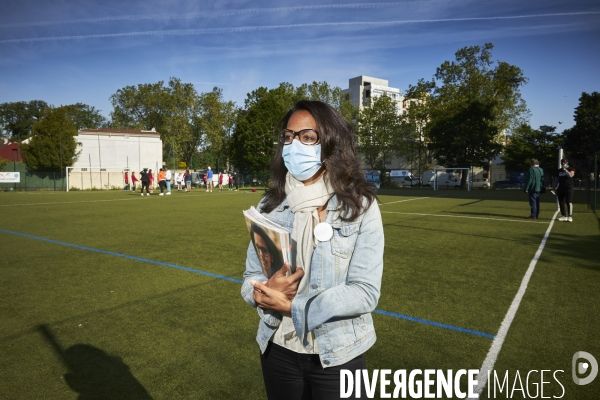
(464, 216)
(99, 201)
(492, 356)
(416, 198)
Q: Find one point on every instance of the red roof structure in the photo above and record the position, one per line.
(11, 152)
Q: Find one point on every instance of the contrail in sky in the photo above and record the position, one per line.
(216, 31)
(155, 17)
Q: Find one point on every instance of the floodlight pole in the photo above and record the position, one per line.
(560, 157)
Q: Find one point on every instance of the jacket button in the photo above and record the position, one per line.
(326, 362)
(314, 286)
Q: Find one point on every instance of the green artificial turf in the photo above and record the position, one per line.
(76, 322)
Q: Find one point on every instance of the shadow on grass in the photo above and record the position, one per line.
(582, 249)
(94, 374)
(459, 233)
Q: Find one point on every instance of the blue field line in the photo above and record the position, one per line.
(112, 253)
(439, 325)
(228, 278)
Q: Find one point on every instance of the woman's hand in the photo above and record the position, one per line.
(271, 299)
(288, 285)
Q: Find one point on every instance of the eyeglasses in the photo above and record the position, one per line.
(263, 251)
(306, 136)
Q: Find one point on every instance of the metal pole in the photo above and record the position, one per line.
(595, 179)
(90, 157)
(560, 157)
(100, 161)
(15, 155)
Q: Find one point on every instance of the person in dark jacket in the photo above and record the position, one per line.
(533, 187)
(564, 187)
(145, 178)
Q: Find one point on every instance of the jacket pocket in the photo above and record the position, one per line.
(344, 238)
(362, 327)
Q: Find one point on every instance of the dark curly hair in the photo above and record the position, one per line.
(338, 155)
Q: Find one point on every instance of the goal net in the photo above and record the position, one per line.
(444, 178)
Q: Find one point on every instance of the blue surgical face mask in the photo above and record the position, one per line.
(301, 160)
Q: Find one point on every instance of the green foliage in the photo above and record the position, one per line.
(85, 117)
(471, 78)
(415, 124)
(52, 145)
(253, 141)
(17, 119)
(583, 139)
(187, 121)
(527, 143)
(469, 97)
(379, 134)
(465, 138)
(139, 107)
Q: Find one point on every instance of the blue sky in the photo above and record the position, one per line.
(69, 51)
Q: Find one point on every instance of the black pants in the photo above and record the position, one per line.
(145, 185)
(292, 376)
(565, 194)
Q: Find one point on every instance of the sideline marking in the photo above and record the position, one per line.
(112, 253)
(464, 216)
(93, 201)
(227, 278)
(416, 198)
(402, 201)
(490, 359)
(438, 324)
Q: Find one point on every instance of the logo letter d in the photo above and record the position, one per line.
(583, 367)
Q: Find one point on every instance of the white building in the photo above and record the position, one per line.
(105, 153)
(363, 88)
(118, 149)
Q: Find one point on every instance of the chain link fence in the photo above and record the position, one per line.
(33, 180)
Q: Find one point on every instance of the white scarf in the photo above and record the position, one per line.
(304, 201)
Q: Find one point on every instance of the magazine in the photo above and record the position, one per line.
(271, 242)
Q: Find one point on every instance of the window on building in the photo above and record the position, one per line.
(367, 93)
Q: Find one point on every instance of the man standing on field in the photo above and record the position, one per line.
(533, 187)
(168, 178)
(209, 180)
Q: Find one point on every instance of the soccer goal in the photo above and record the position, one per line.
(95, 178)
(445, 179)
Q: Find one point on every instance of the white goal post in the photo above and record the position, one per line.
(95, 178)
(435, 176)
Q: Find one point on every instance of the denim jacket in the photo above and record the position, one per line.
(344, 287)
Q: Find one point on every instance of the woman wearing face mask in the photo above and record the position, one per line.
(317, 321)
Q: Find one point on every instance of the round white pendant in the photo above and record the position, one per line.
(323, 232)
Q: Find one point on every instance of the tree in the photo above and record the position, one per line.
(473, 88)
(17, 119)
(465, 138)
(253, 140)
(527, 143)
(379, 134)
(52, 146)
(85, 117)
(186, 120)
(140, 107)
(583, 139)
(416, 123)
